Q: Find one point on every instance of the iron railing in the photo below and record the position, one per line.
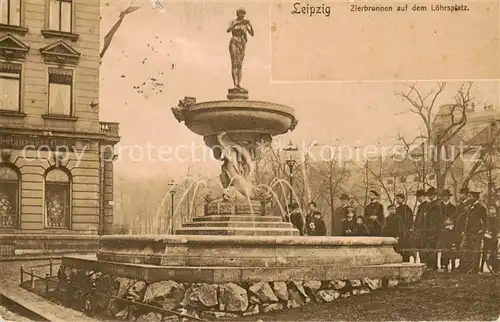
(110, 128)
(51, 277)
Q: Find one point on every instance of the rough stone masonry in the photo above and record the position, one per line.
(120, 298)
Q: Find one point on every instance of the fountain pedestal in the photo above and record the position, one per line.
(243, 218)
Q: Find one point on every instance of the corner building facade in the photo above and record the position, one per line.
(56, 166)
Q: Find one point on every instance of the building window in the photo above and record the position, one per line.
(57, 198)
(10, 12)
(9, 196)
(10, 86)
(60, 15)
(60, 91)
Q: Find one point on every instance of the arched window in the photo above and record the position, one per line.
(9, 196)
(57, 198)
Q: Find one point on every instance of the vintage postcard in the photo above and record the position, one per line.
(266, 160)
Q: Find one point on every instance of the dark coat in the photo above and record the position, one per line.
(338, 217)
(394, 226)
(406, 215)
(316, 227)
(374, 227)
(435, 218)
(297, 221)
(421, 216)
(449, 236)
(462, 207)
(377, 209)
(474, 220)
(450, 211)
(361, 230)
(348, 227)
(309, 218)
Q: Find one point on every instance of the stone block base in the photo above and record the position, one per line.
(212, 292)
(45, 245)
(240, 218)
(237, 94)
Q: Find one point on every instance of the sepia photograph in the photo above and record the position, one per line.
(265, 160)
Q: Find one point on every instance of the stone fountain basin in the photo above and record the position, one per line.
(248, 251)
(207, 118)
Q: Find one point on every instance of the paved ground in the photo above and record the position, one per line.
(9, 277)
(7, 315)
(9, 282)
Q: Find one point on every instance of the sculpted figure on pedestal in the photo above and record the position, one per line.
(239, 28)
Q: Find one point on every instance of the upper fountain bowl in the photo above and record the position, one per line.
(209, 118)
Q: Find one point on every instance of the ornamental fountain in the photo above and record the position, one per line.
(236, 242)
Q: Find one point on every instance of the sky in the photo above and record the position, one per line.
(158, 57)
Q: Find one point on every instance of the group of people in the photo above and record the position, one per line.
(434, 225)
(313, 225)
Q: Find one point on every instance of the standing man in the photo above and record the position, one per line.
(435, 224)
(472, 225)
(393, 225)
(295, 217)
(462, 208)
(406, 215)
(490, 240)
(339, 215)
(464, 202)
(375, 207)
(420, 224)
(312, 207)
(449, 238)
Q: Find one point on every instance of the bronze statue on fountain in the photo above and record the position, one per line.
(239, 28)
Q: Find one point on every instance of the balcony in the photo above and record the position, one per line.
(109, 128)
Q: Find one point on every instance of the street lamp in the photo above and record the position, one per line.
(291, 162)
(171, 184)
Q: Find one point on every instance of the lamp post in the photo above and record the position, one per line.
(291, 162)
(171, 184)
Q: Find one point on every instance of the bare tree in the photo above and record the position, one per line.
(441, 124)
(485, 164)
(109, 35)
(327, 178)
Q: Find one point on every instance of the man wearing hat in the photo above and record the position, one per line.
(448, 239)
(421, 223)
(339, 215)
(375, 208)
(472, 225)
(404, 212)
